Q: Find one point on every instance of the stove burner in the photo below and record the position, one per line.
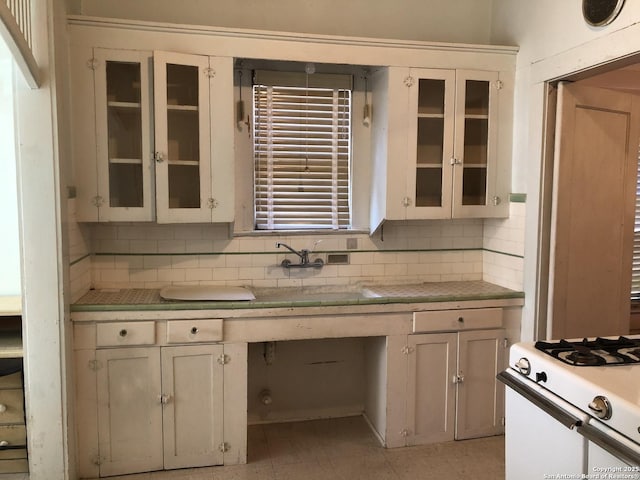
(596, 352)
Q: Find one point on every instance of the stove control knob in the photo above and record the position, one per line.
(523, 366)
(601, 407)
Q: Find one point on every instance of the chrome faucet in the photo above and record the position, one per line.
(304, 258)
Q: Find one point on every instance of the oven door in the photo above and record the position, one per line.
(540, 432)
(609, 451)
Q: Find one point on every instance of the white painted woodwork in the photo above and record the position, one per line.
(214, 156)
(395, 92)
(194, 331)
(457, 319)
(129, 410)
(192, 384)
(452, 391)
(109, 143)
(480, 397)
(235, 403)
(593, 212)
(116, 334)
(430, 389)
(86, 408)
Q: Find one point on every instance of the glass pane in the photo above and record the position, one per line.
(183, 136)
(124, 124)
(476, 134)
(474, 186)
(429, 187)
(430, 141)
(125, 185)
(184, 186)
(431, 96)
(477, 97)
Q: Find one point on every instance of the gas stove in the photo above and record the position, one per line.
(596, 352)
(590, 387)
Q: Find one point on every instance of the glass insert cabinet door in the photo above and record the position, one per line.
(182, 136)
(123, 143)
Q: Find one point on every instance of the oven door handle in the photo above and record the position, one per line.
(609, 444)
(565, 418)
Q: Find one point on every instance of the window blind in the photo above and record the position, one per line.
(302, 150)
(635, 269)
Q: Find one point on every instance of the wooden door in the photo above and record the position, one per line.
(479, 397)
(129, 410)
(431, 388)
(192, 414)
(593, 212)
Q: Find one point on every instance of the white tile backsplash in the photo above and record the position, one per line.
(131, 255)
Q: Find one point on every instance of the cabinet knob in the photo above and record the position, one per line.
(3, 408)
(461, 319)
(158, 157)
(4, 443)
(194, 330)
(123, 332)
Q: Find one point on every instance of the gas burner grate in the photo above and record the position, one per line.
(596, 352)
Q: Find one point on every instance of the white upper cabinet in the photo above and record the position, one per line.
(435, 136)
(153, 136)
(193, 138)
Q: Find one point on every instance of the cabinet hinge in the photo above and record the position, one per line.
(503, 422)
(496, 200)
(96, 460)
(97, 201)
(212, 203)
(505, 342)
(406, 202)
(95, 365)
(92, 63)
(498, 84)
(409, 81)
(223, 359)
(210, 72)
(224, 447)
(404, 432)
(406, 350)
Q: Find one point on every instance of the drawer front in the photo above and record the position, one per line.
(469, 319)
(11, 406)
(14, 466)
(13, 435)
(11, 381)
(118, 334)
(194, 331)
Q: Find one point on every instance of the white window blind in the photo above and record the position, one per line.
(635, 269)
(302, 150)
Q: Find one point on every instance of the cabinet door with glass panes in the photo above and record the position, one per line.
(123, 135)
(452, 137)
(193, 100)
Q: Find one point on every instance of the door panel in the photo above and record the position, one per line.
(593, 212)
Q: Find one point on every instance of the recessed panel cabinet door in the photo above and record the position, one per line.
(193, 406)
(129, 410)
(431, 388)
(480, 397)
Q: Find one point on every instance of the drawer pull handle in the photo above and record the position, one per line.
(4, 443)
(123, 332)
(3, 408)
(194, 330)
(461, 319)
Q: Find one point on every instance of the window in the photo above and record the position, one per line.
(635, 269)
(302, 150)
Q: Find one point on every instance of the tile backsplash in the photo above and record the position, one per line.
(137, 255)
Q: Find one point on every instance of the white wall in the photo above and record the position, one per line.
(554, 42)
(435, 20)
(10, 238)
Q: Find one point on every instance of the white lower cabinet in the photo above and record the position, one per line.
(452, 391)
(159, 408)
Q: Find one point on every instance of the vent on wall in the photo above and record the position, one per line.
(338, 259)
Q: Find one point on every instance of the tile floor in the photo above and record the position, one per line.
(343, 449)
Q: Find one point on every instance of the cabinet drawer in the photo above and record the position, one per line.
(119, 334)
(13, 435)
(13, 380)
(11, 406)
(194, 331)
(18, 465)
(457, 319)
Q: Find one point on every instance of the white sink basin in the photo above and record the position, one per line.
(206, 292)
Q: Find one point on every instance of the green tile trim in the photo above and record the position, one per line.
(78, 260)
(503, 253)
(518, 197)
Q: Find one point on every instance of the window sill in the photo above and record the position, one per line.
(291, 233)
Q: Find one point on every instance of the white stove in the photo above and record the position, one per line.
(573, 409)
